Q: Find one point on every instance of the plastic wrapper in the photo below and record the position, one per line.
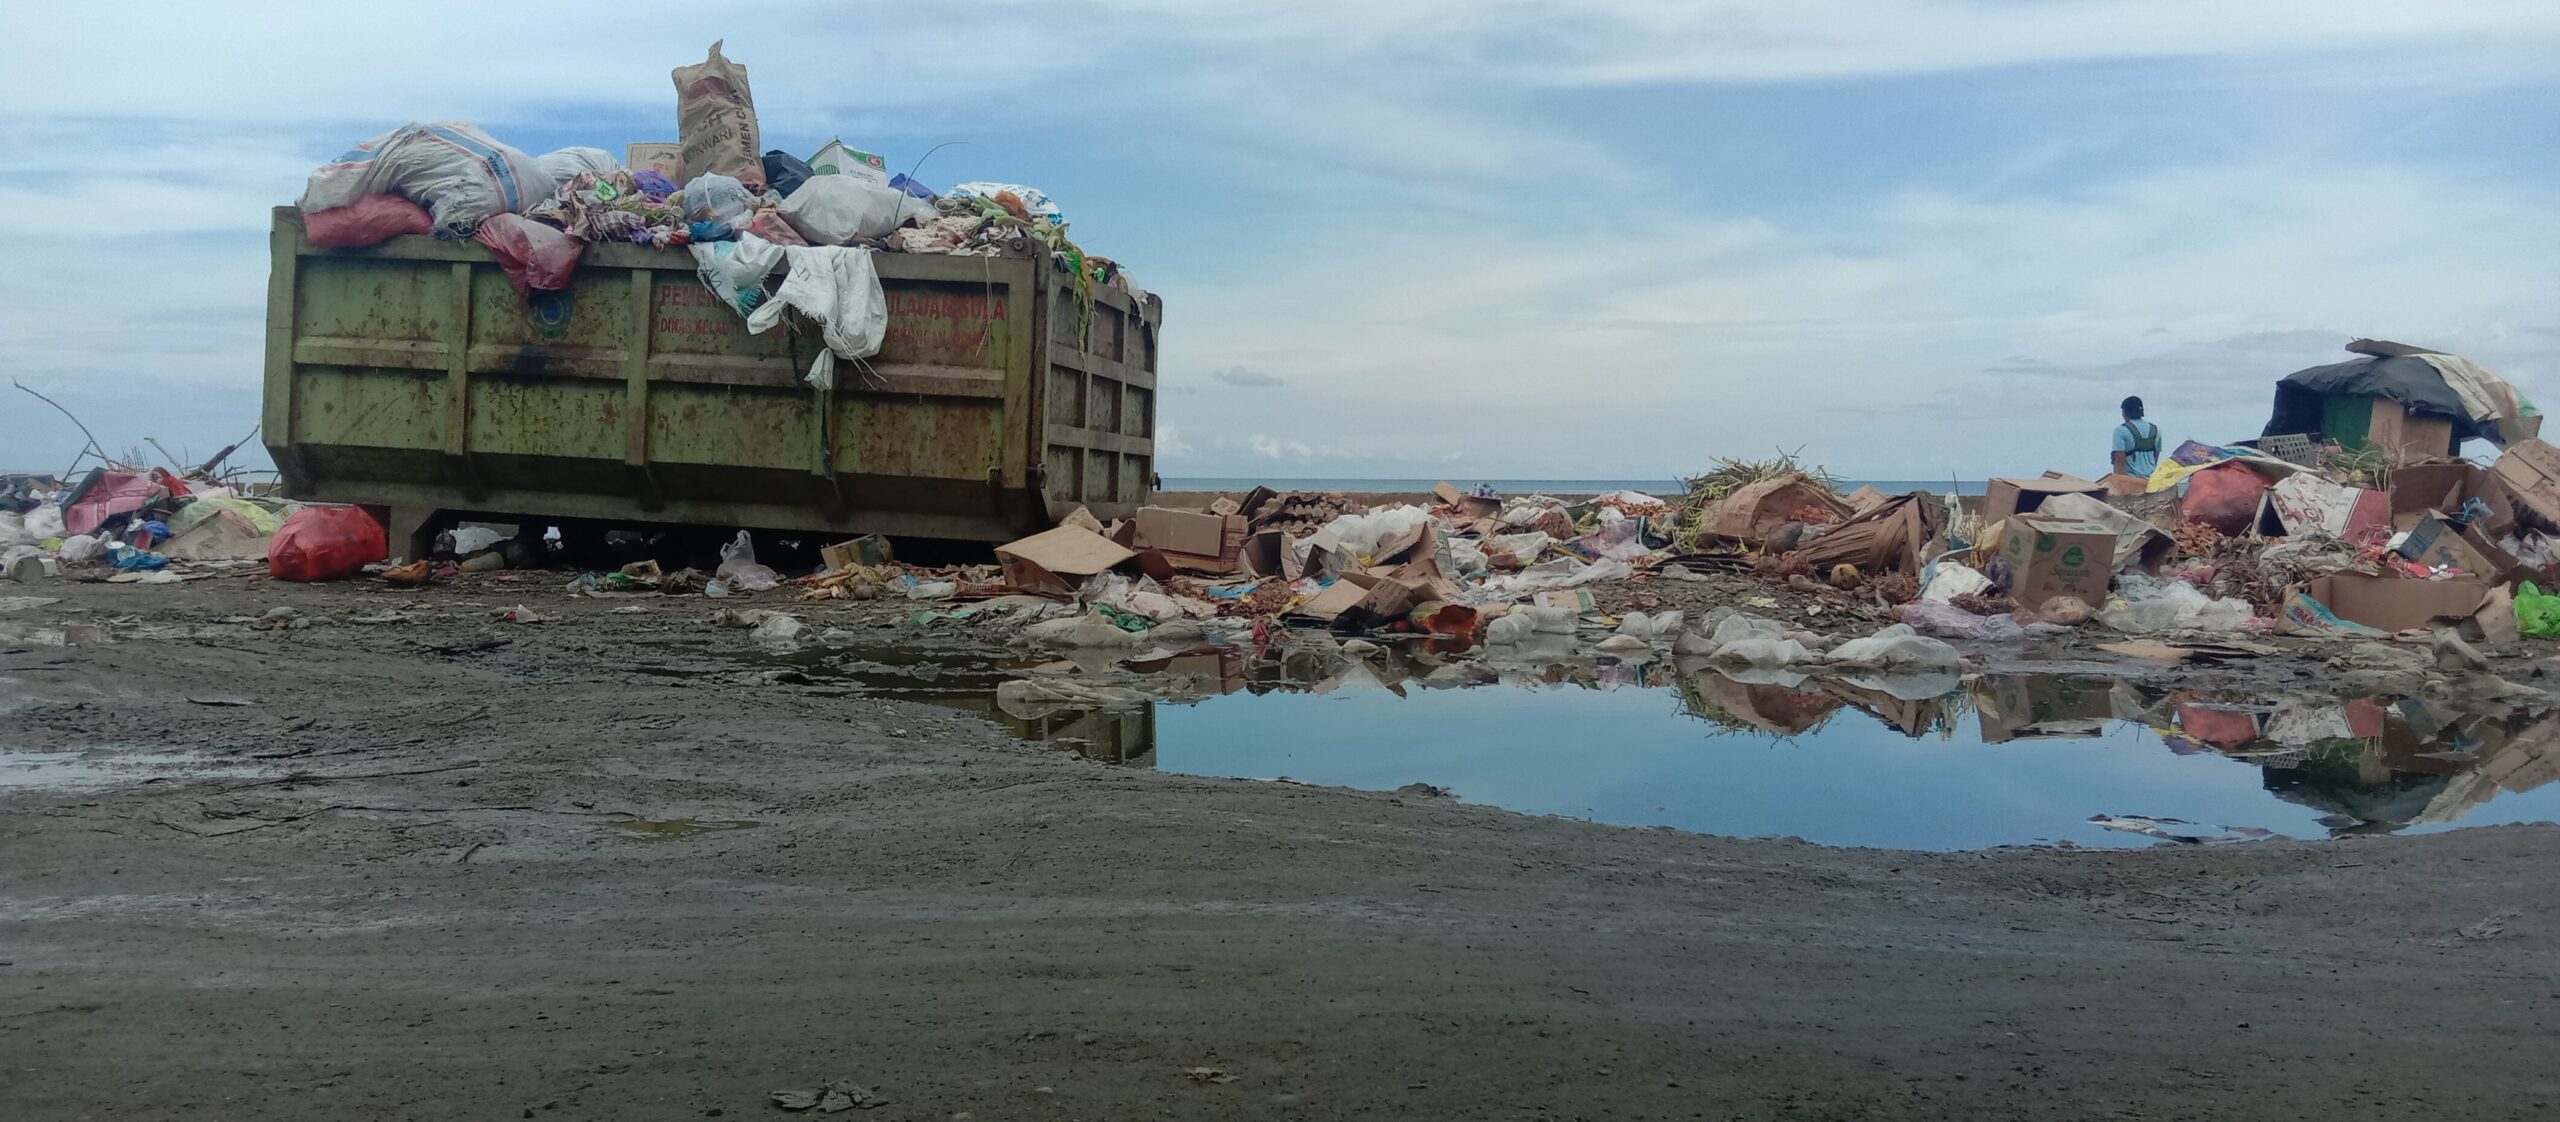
(2143, 606)
(533, 256)
(320, 543)
(1946, 621)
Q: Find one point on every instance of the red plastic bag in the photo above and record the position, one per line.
(371, 220)
(2224, 496)
(533, 255)
(326, 543)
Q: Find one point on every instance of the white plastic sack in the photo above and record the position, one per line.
(1362, 535)
(1952, 580)
(45, 522)
(1516, 627)
(564, 165)
(1619, 537)
(461, 175)
(738, 566)
(1762, 651)
(777, 627)
(837, 288)
(13, 529)
(82, 547)
(1465, 558)
(835, 209)
(1897, 646)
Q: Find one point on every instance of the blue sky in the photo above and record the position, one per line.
(1476, 240)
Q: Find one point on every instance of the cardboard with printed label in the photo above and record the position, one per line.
(2049, 558)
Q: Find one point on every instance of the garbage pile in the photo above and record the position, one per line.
(130, 524)
(770, 233)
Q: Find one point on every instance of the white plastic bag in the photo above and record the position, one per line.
(738, 566)
(82, 547)
(732, 269)
(460, 174)
(2143, 606)
(835, 209)
(564, 165)
(45, 522)
(13, 529)
(1518, 549)
(1639, 625)
(720, 200)
(1897, 646)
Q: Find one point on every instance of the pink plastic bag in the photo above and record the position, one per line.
(533, 255)
(326, 543)
(371, 220)
(2224, 496)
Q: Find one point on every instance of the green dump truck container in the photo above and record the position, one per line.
(411, 377)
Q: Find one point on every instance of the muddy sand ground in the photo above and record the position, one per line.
(398, 870)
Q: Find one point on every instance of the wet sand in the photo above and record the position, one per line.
(404, 880)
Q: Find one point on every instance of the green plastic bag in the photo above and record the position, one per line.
(2537, 612)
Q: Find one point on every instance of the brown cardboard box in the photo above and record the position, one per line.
(2049, 558)
(2407, 436)
(2436, 541)
(2397, 604)
(1267, 553)
(2530, 471)
(2004, 497)
(869, 549)
(1056, 562)
(1180, 531)
(2417, 489)
(1339, 597)
(666, 157)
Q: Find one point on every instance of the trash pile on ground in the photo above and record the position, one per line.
(768, 231)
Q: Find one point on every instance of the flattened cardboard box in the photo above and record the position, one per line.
(1056, 561)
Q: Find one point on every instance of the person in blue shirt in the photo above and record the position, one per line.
(2137, 442)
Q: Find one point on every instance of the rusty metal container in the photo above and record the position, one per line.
(410, 376)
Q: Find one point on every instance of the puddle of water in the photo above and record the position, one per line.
(21, 769)
(1942, 765)
(678, 829)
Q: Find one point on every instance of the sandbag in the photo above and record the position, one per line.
(835, 209)
(532, 255)
(716, 121)
(568, 163)
(2224, 496)
(326, 543)
(460, 174)
(371, 220)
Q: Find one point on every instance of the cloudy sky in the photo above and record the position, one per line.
(1461, 238)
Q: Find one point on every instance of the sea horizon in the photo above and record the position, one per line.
(1661, 487)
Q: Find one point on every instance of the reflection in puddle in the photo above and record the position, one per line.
(678, 829)
(1938, 763)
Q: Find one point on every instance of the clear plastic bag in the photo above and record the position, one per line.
(2143, 606)
(721, 201)
(1931, 617)
(738, 566)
